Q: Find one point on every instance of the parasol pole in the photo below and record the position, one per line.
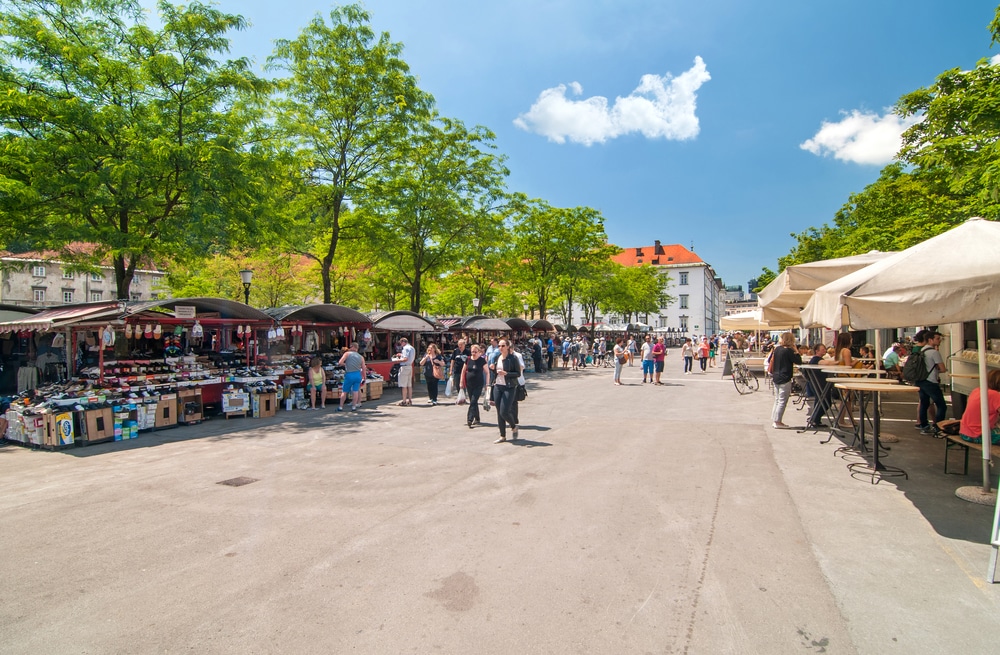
(984, 405)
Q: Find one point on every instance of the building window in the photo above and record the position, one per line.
(136, 279)
(684, 278)
(96, 277)
(38, 271)
(684, 323)
(67, 275)
(684, 301)
(67, 297)
(95, 296)
(38, 294)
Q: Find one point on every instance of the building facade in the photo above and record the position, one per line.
(39, 279)
(699, 296)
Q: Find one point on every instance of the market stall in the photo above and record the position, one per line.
(387, 328)
(321, 330)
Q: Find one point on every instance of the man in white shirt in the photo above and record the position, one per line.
(405, 359)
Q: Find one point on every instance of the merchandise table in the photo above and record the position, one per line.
(871, 392)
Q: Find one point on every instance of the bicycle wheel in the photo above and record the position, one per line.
(739, 380)
(752, 381)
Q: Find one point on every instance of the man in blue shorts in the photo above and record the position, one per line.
(355, 371)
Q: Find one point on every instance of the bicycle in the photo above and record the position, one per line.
(745, 381)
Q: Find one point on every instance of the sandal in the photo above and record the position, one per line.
(501, 440)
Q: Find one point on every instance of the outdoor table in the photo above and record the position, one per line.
(868, 391)
(823, 386)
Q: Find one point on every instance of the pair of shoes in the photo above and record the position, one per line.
(687, 373)
(917, 426)
(780, 426)
(434, 402)
(513, 434)
(930, 430)
(501, 440)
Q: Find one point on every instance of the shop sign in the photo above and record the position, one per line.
(184, 311)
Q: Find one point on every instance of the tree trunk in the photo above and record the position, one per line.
(124, 272)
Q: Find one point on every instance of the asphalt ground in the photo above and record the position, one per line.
(633, 519)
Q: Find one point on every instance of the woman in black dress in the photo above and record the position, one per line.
(473, 380)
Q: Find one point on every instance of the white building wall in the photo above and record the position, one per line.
(39, 283)
(699, 302)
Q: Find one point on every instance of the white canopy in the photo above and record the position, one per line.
(950, 278)
(788, 293)
(752, 320)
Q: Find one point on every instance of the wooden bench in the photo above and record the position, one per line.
(954, 442)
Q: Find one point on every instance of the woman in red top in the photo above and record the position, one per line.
(971, 428)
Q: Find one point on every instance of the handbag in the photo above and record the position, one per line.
(438, 371)
(520, 393)
(622, 359)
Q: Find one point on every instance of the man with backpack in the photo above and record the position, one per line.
(923, 368)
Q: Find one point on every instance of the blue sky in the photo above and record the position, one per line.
(726, 124)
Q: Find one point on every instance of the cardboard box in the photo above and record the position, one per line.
(166, 412)
(59, 429)
(374, 388)
(189, 407)
(265, 404)
(98, 424)
(235, 402)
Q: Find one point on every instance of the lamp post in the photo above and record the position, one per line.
(246, 276)
(475, 305)
(526, 308)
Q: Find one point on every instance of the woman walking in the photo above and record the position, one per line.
(505, 372)
(432, 360)
(703, 353)
(474, 380)
(784, 357)
(619, 354)
(687, 352)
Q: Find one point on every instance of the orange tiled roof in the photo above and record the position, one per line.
(77, 248)
(657, 255)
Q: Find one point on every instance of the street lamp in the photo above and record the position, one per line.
(526, 308)
(475, 305)
(246, 275)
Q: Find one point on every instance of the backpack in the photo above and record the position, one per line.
(915, 369)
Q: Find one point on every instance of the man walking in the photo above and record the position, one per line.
(659, 356)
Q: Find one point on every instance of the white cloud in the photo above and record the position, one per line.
(660, 107)
(995, 59)
(861, 137)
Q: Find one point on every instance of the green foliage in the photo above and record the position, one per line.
(437, 202)
(555, 249)
(120, 135)
(345, 112)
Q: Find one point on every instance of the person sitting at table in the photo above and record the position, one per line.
(892, 362)
(842, 357)
(867, 353)
(971, 428)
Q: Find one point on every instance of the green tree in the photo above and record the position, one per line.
(554, 247)
(438, 202)
(120, 135)
(345, 110)
(637, 290)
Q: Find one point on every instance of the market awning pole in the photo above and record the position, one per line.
(984, 405)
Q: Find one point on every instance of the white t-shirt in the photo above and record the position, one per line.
(647, 350)
(409, 355)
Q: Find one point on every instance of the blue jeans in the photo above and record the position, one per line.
(930, 391)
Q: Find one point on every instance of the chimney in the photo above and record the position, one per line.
(657, 248)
